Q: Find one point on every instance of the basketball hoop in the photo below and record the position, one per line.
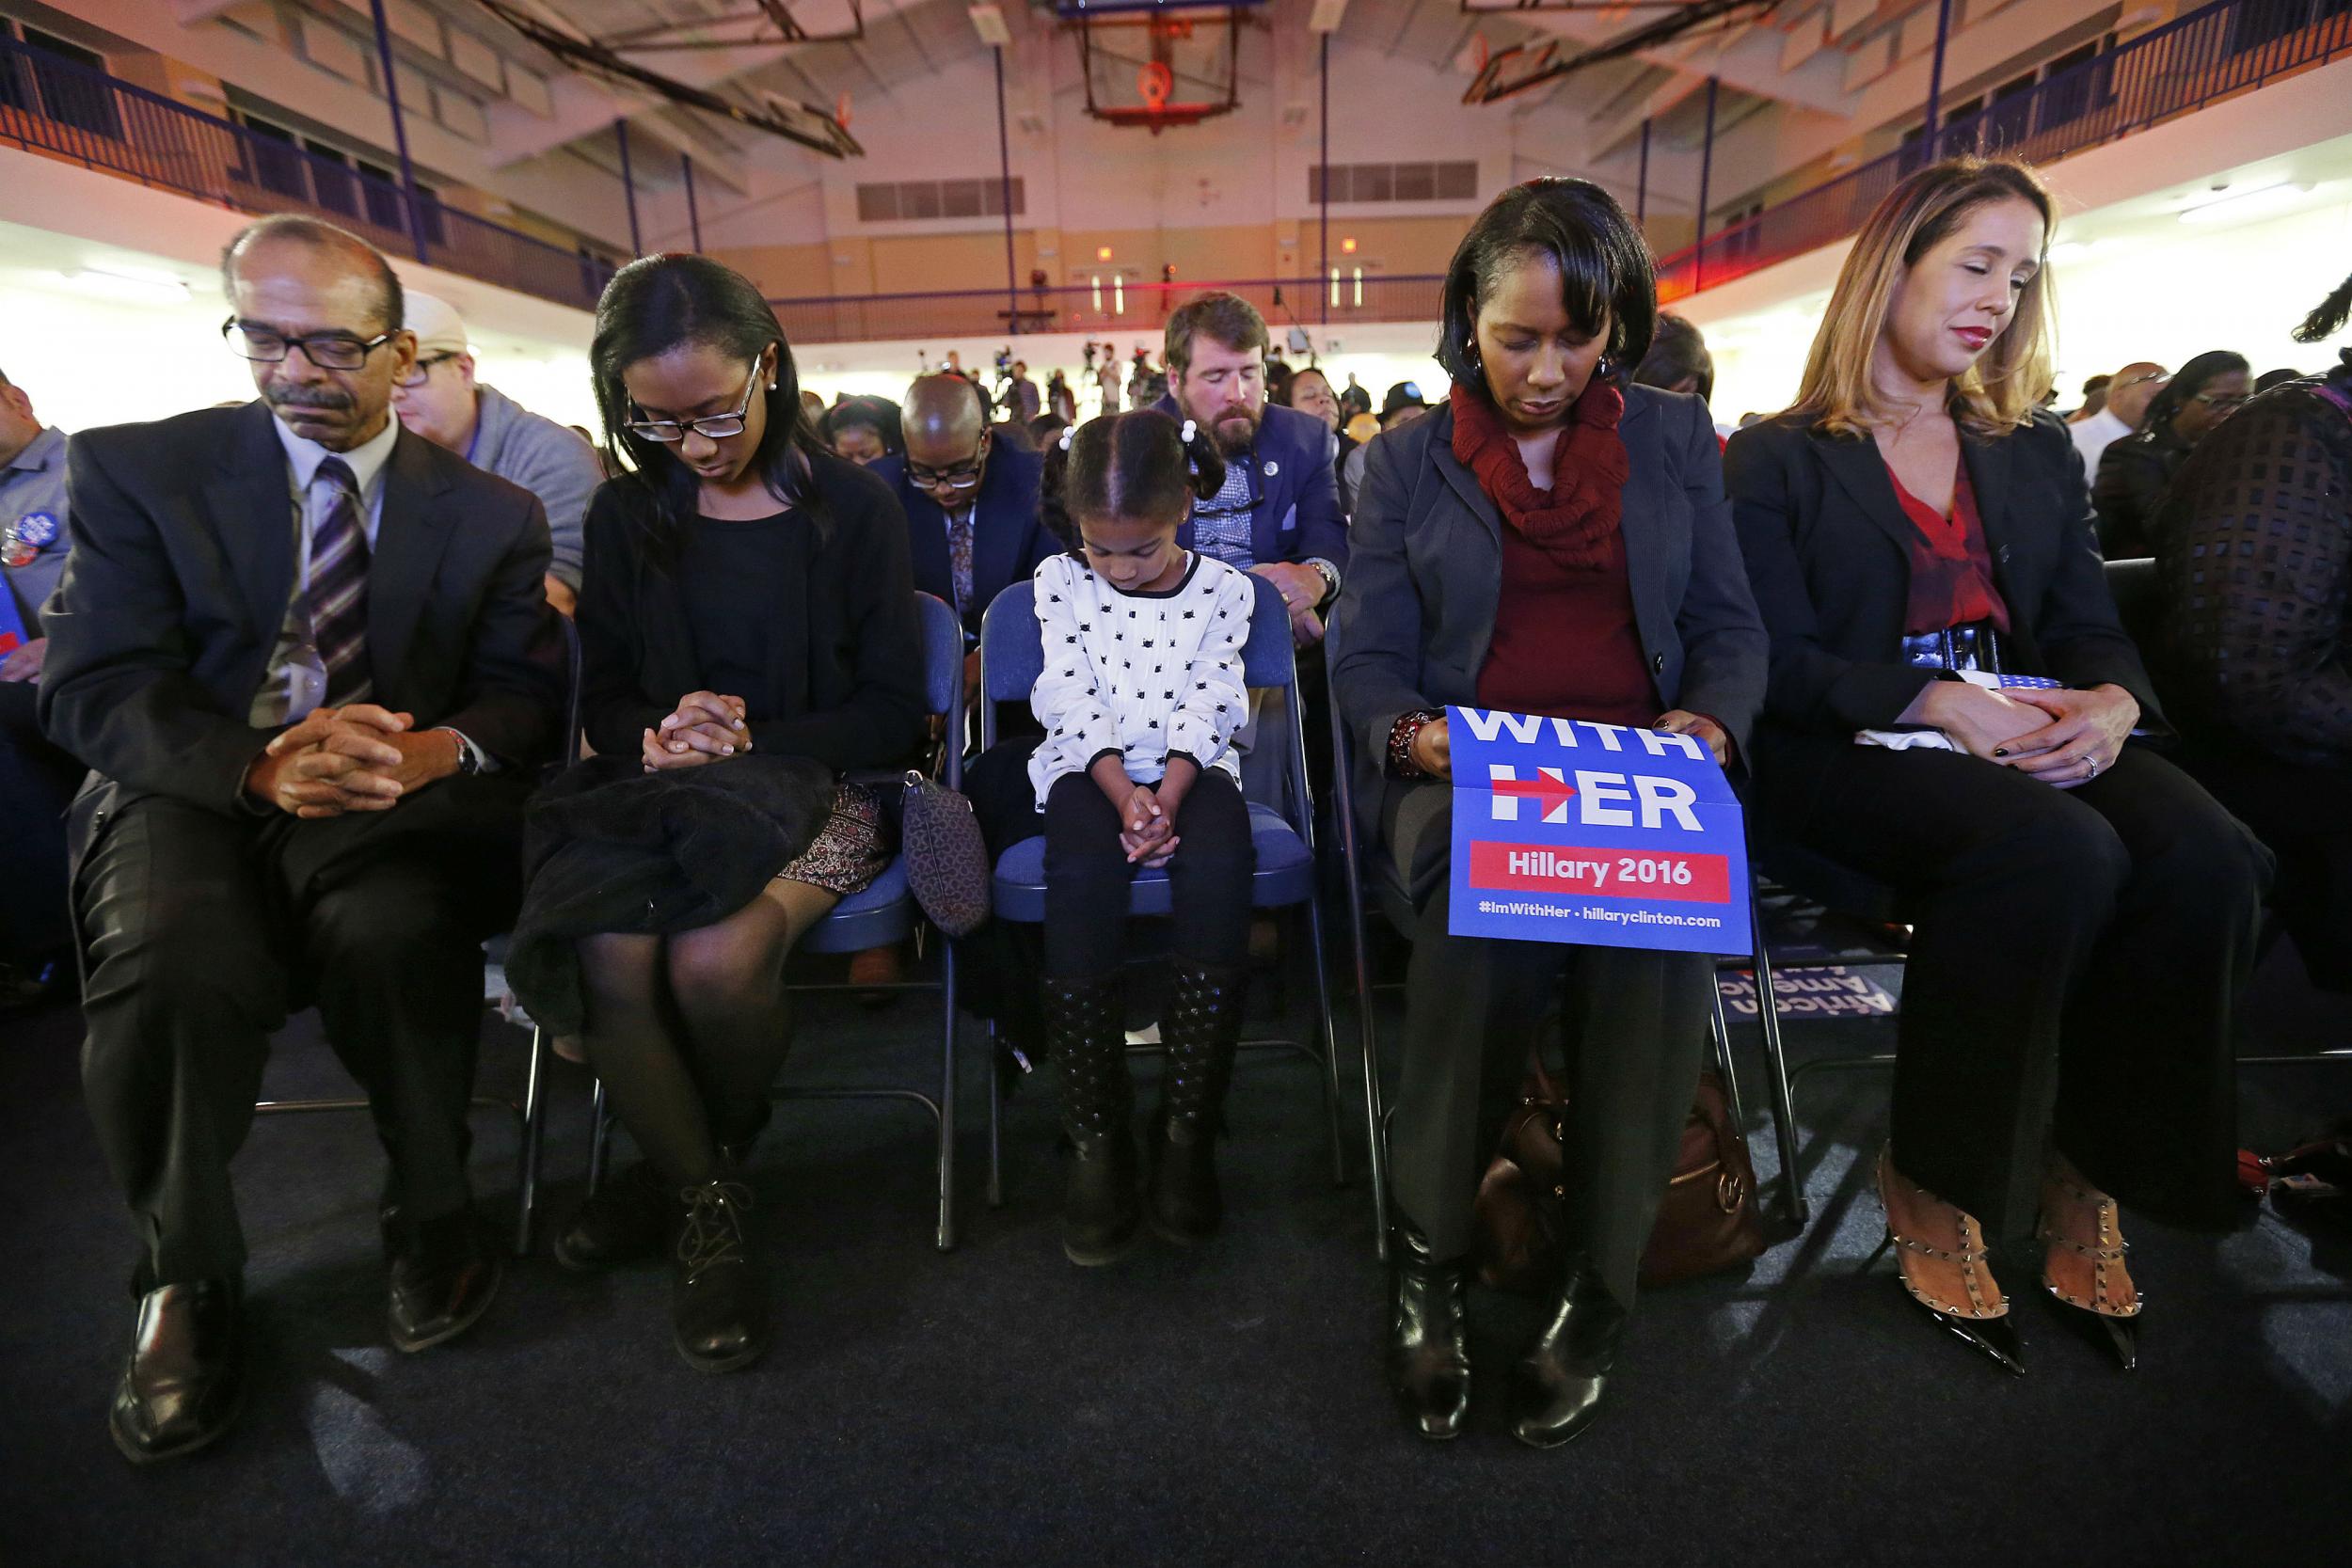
(1155, 70)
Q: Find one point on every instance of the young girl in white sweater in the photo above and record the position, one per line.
(1141, 697)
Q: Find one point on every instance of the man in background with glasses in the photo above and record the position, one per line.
(308, 658)
(439, 399)
(2129, 391)
(972, 503)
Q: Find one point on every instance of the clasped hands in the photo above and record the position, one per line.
(2063, 737)
(704, 727)
(357, 757)
(1433, 748)
(1147, 814)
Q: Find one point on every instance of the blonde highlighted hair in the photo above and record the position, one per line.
(2001, 391)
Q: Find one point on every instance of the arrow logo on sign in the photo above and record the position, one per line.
(1549, 790)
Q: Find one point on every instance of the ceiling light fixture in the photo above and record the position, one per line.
(2238, 206)
(146, 288)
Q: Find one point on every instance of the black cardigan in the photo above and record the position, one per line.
(853, 685)
(1828, 548)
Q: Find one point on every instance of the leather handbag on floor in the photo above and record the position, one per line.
(1706, 1223)
(946, 860)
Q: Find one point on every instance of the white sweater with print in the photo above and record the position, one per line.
(1144, 675)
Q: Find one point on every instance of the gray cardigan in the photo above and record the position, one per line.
(1412, 625)
(544, 458)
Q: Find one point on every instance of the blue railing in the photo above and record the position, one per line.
(60, 107)
(2227, 47)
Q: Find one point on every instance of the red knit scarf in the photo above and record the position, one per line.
(1572, 521)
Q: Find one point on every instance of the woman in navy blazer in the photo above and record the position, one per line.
(2085, 914)
(1553, 541)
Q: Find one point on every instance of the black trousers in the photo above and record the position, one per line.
(1473, 1005)
(37, 781)
(2303, 811)
(2077, 959)
(203, 931)
(1087, 876)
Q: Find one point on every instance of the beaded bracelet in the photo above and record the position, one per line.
(1401, 737)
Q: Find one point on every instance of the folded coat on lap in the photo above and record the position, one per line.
(609, 849)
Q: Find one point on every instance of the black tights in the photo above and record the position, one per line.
(689, 1031)
(1087, 876)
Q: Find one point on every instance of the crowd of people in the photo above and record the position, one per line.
(299, 679)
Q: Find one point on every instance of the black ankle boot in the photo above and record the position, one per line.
(718, 1310)
(1557, 1387)
(1429, 1369)
(1100, 1210)
(1201, 1023)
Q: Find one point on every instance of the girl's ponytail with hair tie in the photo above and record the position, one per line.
(1192, 463)
(1067, 433)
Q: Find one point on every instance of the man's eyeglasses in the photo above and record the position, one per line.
(715, 427)
(959, 476)
(328, 350)
(423, 370)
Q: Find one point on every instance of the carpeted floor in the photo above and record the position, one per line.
(996, 1405)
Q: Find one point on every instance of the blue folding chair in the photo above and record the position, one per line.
(1011, 659)
(884, 915)
(531, 1114)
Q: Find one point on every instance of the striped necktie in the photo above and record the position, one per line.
(336, 599)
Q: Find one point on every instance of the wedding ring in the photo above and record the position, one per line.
(2092, 764)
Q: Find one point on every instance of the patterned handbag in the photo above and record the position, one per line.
(946, 860)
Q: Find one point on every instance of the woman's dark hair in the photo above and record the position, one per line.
(1605, 268)
(663, 302)
(1129, 466)
(1046, 429)
(1677, 353)
(1290, 387)
(2328, 320)
(879, 415)
(2189, 380)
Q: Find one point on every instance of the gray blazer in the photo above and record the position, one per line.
(1412, 624)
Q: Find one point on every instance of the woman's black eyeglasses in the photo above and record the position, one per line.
(716, 427)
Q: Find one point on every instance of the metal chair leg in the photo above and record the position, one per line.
(948, 1098)
(1330, 1040)
(599, 1134)
(1368, 1046)
(534, 1131)
(996, 1126)
(1720, 1027)
(1776, 1069)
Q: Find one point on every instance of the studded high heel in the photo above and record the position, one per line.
(1984, 1322)
(2109, 1314)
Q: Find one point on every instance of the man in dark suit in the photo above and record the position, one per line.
(972, 502)
(1279, 515)
(310, 662)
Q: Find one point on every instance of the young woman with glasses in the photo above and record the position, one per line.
(747, 597)
(2135, 471)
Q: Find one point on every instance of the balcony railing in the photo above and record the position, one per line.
(60, 107)
(2229, 47)
(1113, 309)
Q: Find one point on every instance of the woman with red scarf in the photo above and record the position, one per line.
(1554, 542)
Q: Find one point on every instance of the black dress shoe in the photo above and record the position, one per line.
(444, 1274)
(1429, 1367)
(718, 1306)
(1557, 1387)
(625, 1221)
(185, 1380)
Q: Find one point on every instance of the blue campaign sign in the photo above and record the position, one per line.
(1568, 830)
(11, 623)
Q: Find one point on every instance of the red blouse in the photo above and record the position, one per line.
(1951, 571)
(1564, 642)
